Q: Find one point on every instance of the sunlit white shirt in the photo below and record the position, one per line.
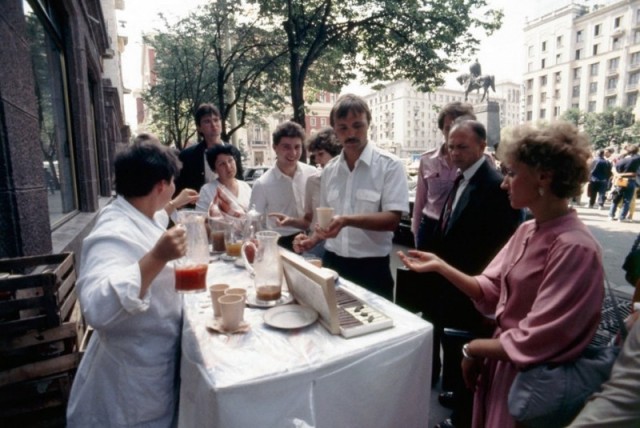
(377, 183)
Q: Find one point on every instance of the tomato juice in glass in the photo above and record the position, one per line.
(191, 278)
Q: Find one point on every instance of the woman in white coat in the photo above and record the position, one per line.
(128, 375)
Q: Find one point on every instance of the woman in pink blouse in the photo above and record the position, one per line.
(545, 287)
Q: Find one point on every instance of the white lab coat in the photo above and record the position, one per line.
(128, 375)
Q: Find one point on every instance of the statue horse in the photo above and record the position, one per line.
(485, 82)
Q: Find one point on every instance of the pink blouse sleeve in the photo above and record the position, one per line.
(489, 282)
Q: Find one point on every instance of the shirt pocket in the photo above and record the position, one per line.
(333, 196)
(367, 201)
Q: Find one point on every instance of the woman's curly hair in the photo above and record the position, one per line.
(558, 147)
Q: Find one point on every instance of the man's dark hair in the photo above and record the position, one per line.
(325, 139)
(346, 104)
(288, 129)
(455, 109)
(205, 110)
(142, 165)
(217, 150)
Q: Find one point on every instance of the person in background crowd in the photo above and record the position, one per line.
(221, 161)
(436, 175)
(627, 169)
(599, 179)
(128, 375)
(323, 146)
(194, 171)
(282, 188)
(548, 275)
(367, 188)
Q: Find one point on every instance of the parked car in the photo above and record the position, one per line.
(403, 234)
(252, 173)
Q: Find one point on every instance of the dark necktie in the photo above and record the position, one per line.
(450, 200)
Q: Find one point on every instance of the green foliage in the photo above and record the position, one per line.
(614, 127)
(195, 64)
(416, 40)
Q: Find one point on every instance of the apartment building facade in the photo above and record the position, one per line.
(582, 57)
(404, 120)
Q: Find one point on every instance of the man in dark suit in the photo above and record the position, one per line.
(195, 170)
(476, 221)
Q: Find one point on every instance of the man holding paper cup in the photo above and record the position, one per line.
(367, 190)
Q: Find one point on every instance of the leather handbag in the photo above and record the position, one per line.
(551, 395)
(622, 182)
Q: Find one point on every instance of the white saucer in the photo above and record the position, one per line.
(227, 258)
(290, 316)
(240, 263)
(253, 301)
(216, 325)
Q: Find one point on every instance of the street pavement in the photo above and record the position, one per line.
(615, 238)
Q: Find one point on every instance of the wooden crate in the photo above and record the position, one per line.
(36, 374)
(38, 293)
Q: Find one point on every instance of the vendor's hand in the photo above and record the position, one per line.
(302, 243)
(334, 227)
(186, 196)
(282, 219)
(470, 372)
(171, 245)
(419, 261)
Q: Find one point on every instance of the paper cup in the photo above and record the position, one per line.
(232, 309)
(217, 290)
(324, 216)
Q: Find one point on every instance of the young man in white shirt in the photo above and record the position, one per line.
(367, 188)
(281, 189)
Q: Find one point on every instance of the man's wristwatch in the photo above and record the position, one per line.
(465, 352)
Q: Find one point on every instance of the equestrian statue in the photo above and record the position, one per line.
(476, 80)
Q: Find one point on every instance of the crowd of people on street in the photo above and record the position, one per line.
(503, 260)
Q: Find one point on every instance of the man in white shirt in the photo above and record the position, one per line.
(367, 188)
(281, 188)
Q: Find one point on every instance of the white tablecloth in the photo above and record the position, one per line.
(306, 377)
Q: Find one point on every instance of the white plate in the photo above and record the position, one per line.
(253, 301)
(290, 316)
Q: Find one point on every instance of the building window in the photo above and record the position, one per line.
(556, 111)
(575, 105)
(558, 58)
(47, 57)
(610, 102)
(556, 94)
(634, 59)
(530, 67)
(612, 83)
(596, 30)
(595, 49)
(616, 43)
(634, 78)
(591, 107)
(542, 63)
(576, 72)
(593, 87)
(529, 115)
(544, 46)
(593, 69)
(530, 84)
(616, 22)
(578, 53)
(632, 99)
(636, 36)
(312, 120)
(529, 100)
(531, 50)
(579, 37)
(576, 91)
(543, 80)
(559, 41)
(558, 77)
(543, 113)
(613, 64)
(543, 97)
